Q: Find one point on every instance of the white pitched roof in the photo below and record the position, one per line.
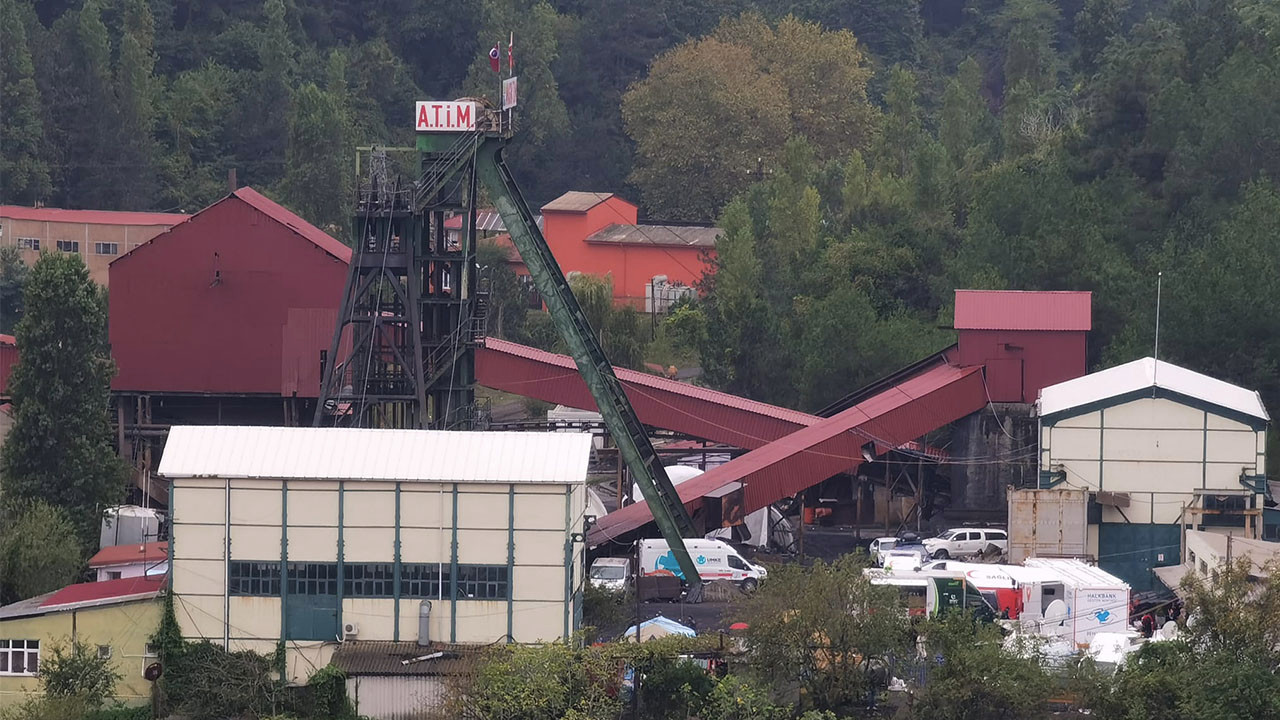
(1148, 373)
(358, 454)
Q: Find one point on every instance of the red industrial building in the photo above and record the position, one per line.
(600, 234)
(223, 319)
(1009, 346)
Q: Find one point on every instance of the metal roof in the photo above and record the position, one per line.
(782, 468)
(1023, 310)
(286, 217)
(486, 221)
(1077, 572)
(88, 594)
(365, 657)
(90, 217)
(658, 401)
(364, 454)
(130, 554)
(1143, 374)
(576, 201)
(671, 235)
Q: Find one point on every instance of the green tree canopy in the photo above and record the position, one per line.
(59, 449)
(39, 551)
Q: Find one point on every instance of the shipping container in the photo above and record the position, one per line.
(1047, 523)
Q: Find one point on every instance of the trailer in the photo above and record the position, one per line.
(1093, 600)
(1047, 523)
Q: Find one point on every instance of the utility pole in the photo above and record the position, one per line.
(1156, 354)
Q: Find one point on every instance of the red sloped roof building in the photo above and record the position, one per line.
(239, 300)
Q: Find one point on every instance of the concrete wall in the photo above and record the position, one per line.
(1159, 452)
(539, 608)
(126, 628)
(1005, 436)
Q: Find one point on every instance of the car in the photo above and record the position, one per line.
(878, 547)
(967, 542)
(903, 559)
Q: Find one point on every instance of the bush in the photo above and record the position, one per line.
(76, 671)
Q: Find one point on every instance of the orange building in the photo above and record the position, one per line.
(98, 235)
(599, 234)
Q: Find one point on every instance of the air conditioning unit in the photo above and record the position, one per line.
(350, 631)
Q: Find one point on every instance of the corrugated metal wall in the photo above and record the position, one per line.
(1130, 551)
(396, 698)
(229, 302)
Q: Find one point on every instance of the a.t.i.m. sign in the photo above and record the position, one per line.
(457, 116)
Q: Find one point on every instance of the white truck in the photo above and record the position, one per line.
(1092, 600)
(716, 560)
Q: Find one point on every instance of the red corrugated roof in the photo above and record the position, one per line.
(283, 215)
(782, 468)
(105, 593)
(8, 340)
(655, 382)
(90, 217)
(1023, 310)
(130, 554)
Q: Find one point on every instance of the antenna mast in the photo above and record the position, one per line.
(1156, 367)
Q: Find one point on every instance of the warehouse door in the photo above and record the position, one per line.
(1132, 551)
(312, 602)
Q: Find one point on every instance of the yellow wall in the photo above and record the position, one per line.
(126, 628)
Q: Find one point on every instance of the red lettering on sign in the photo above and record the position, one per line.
(422, 117)
(464, 116)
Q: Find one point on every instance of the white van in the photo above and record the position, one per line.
(716, 560)
(613, 574)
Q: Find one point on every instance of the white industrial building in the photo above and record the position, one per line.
(1160, 448)
(319, 536)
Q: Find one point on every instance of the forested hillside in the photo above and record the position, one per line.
(865, 158)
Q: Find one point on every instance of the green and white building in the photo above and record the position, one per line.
(1160, 448)
(320, 536)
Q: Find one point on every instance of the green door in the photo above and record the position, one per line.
(311, 604)
(1132, 551)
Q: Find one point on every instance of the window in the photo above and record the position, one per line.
(423, 580)
(29, 243)
(19, 657)
(483, 582)
(736, 563)
(151, 650)
(104, 652)
(254, 578)
(103, 248)
(369, 580)
(113, 574)
(996, 535)
(313, 578)
(69, 246)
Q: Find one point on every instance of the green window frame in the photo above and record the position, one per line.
(373, 580)
(254, 578)
(313, 578)
(483, 582)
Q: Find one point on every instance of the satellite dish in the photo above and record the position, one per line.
(153, 672)
(1056, 613)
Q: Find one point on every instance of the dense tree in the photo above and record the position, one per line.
(13, 281)
(59, 449)
(39, 551)
(317, 183)
(712, 114)
(136, 90)
(24, 174)
(815, 628)
(980, 678)
(1223, 663)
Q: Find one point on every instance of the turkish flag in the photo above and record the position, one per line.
(495, 58)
